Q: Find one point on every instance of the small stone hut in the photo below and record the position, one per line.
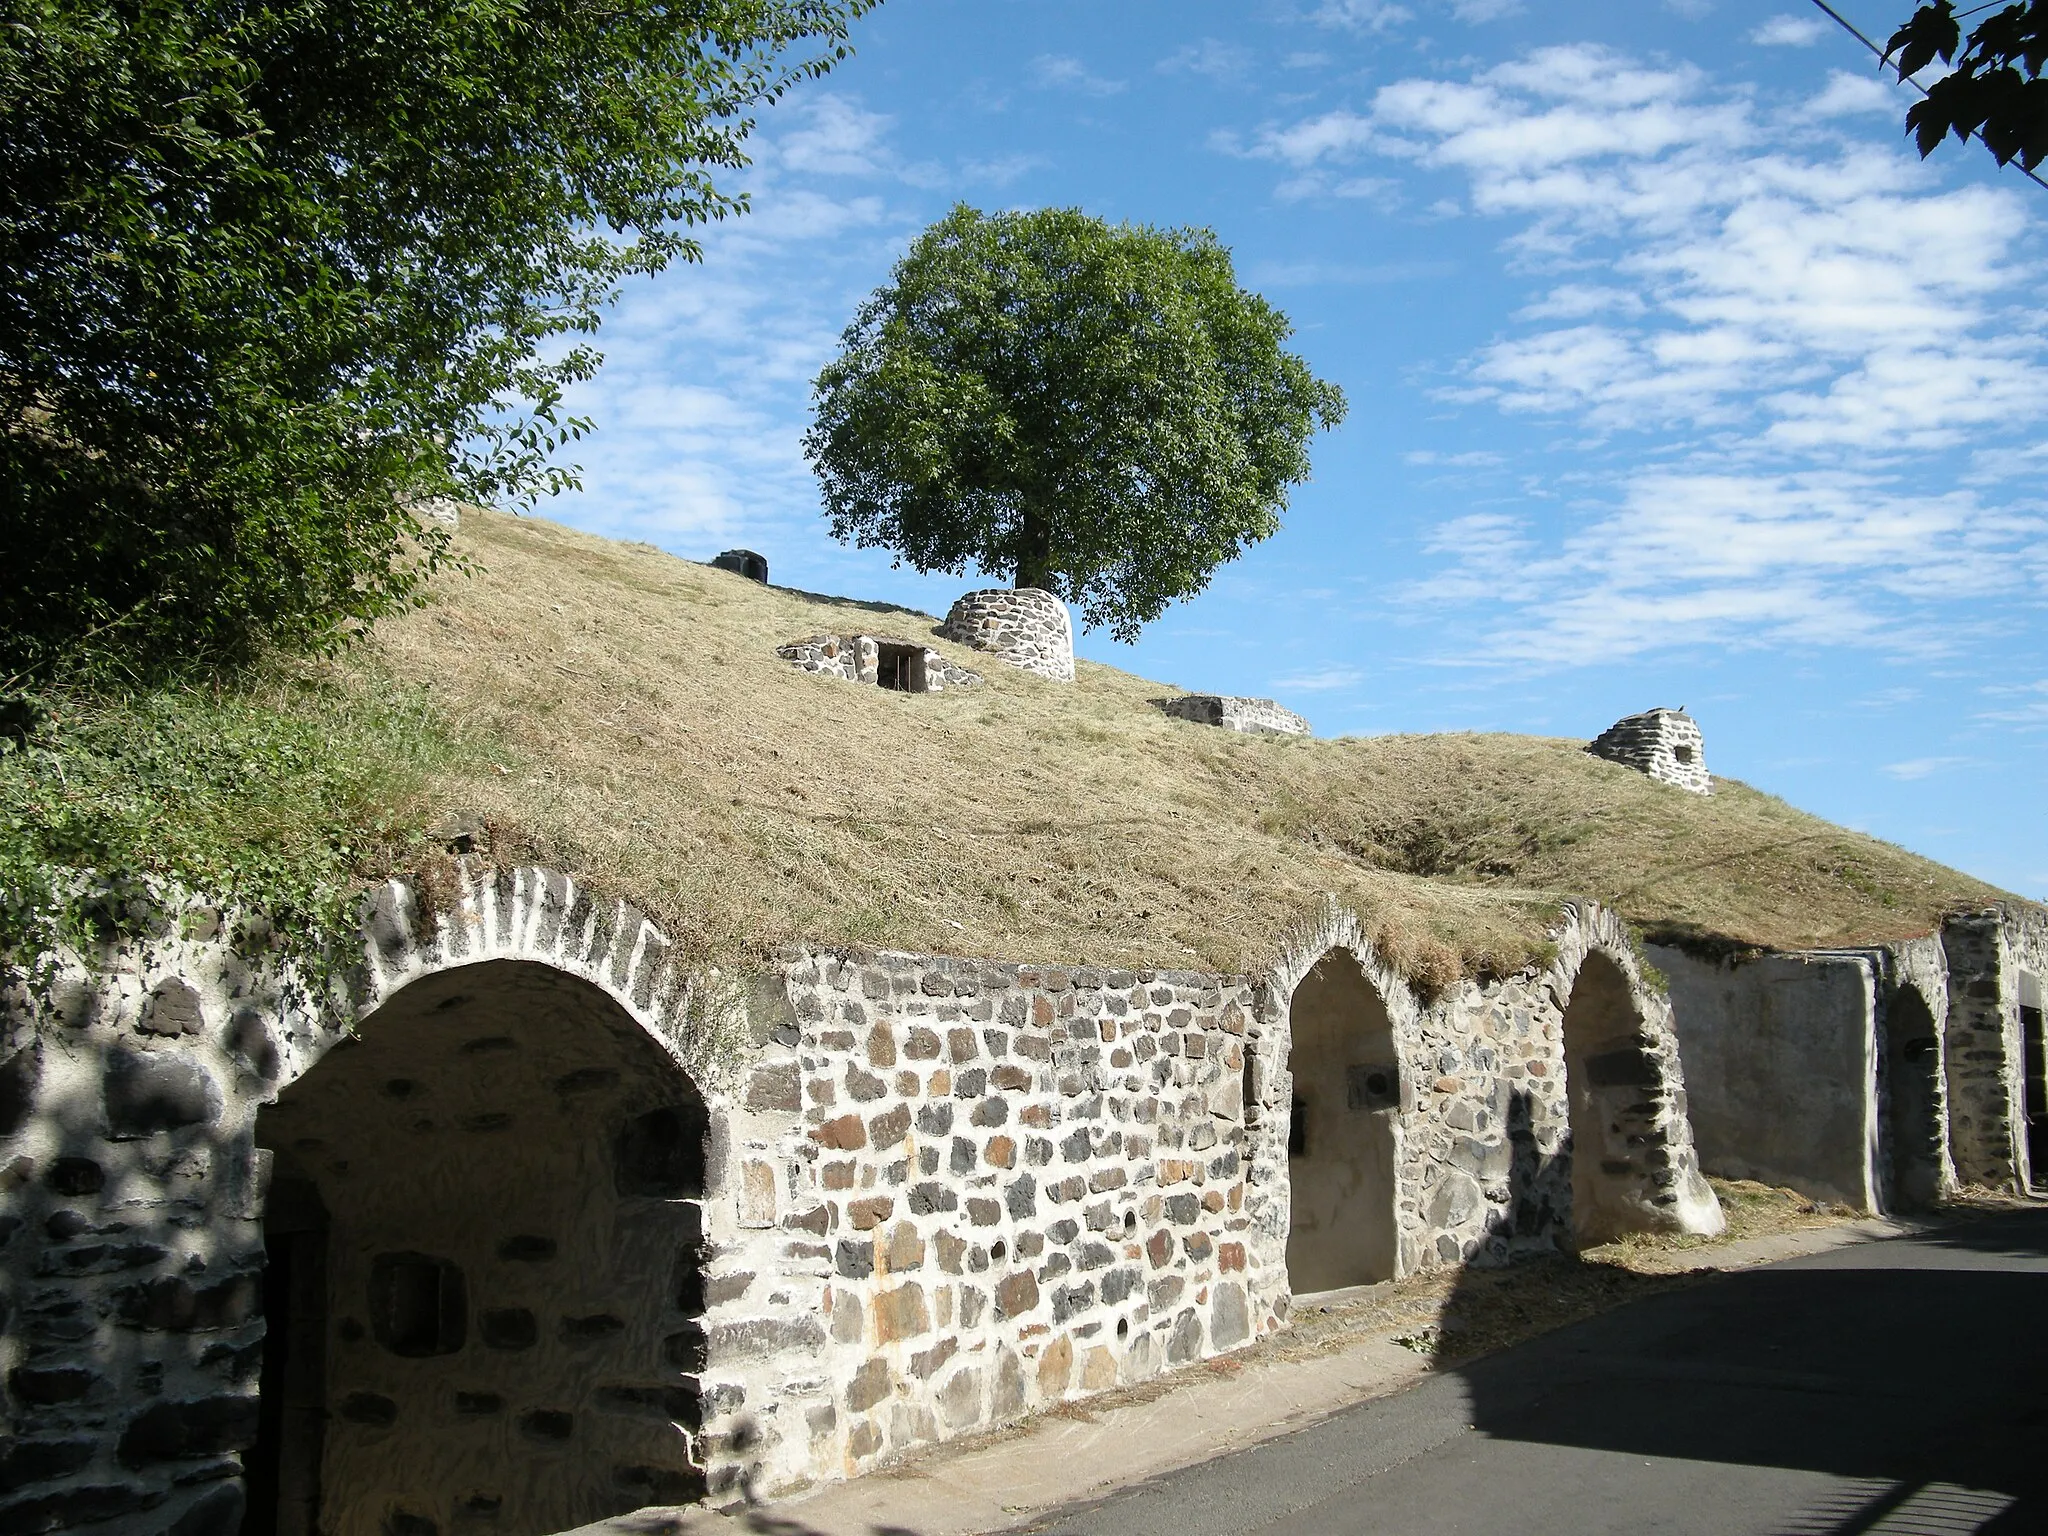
(1025, 627)
(881, 661)
(1664, 743)
(1256, 717)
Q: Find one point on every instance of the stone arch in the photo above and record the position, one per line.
(1634, 1168)
(509, 1176)
(1386, 1015)
(1344, 1130)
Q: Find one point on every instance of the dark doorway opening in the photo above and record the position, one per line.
(900, 668)
(283, 1468)
(1913, 1080)
(2034, 1045)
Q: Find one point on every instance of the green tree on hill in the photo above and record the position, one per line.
(1098, 409)
(266, 268)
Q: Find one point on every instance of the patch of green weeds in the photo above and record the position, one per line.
(282, 794)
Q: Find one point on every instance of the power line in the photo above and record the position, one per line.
(1856, 32)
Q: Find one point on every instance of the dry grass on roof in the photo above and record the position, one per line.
(628, 720)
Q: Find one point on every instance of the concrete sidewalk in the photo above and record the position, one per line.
(1091, 1448)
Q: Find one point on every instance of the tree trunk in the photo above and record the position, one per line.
(1034, 552)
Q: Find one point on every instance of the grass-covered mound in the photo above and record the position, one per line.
(620, 713)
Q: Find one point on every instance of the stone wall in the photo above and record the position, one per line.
(1824, 1071)
(499, 1189)
(1032, 1183)
(1484, 1139)
(1252, 716)
(1993, 956)
(552, 1229)
(1664, 743)
(860, 658)
(1024, 627)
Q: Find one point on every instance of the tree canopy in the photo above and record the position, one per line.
(1994, 91)
(267, 270)
(1096, 409)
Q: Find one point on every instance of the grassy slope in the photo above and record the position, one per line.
(626, 718)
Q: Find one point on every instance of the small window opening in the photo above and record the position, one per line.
(1130, 1223)
(1371, 1087)
(1683, 752)
(900, 668)
(1297, 1129)
(417, 1304)
(1123, 1327)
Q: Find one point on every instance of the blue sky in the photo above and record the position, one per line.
(1675, 377)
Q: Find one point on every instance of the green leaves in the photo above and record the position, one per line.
(1994, 91)
(1098, 409)
(265, 270)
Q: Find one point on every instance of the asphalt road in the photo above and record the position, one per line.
(1898, 1386)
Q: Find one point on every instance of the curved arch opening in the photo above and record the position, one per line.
(1342, 1223)
(1612, 1084)
(1912, 1076)
(483, 1221)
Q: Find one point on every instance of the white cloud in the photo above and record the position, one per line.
(835, 137)
(1056, 71)
(1924, 767)
(1361, 15)
(1478, 459)
(1848, 95)
(1790, 31)
(1328, 680)
(1208, 56)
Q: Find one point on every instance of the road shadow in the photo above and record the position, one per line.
(1915, 1369)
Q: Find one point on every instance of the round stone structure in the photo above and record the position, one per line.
(1026, 627)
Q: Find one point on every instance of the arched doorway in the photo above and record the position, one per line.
(2033, 1081)
(485, 1214)
(1913, 1076)
(1613, 1085)
(1342, 1138)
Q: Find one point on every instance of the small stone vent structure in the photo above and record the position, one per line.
(744, 562)
(1026, 627)
(1664, 743)
(901, 666)
(1257, 717)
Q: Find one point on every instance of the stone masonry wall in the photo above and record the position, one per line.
(1253, 716)
(1663, 743)
(1486, 1135)
(1025, 627)
(857, 658)
(132, 1205)
(1033, 1185)
(760, 1237)
(1987, 952)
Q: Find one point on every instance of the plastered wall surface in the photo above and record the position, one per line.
(1781, 1068)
